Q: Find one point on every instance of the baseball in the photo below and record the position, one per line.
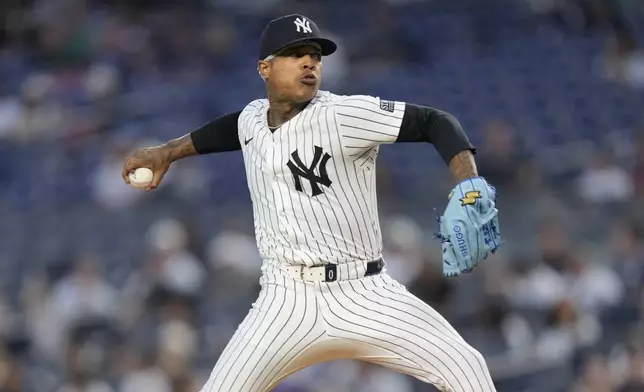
(141, 177)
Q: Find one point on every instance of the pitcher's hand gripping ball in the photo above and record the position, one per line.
(141, 177)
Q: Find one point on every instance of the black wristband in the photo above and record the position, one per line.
(425, 124)
(218, 135)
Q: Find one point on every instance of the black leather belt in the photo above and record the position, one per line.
(329, 272)
(373, 268)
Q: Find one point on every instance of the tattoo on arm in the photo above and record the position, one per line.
(180, 148)
(463, 166)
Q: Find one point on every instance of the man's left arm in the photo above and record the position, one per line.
(469, 228)
(443, 130)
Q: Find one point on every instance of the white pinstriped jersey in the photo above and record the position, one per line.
(312, 183)
(313, 180)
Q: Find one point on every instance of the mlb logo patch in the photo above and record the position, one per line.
(387, 106)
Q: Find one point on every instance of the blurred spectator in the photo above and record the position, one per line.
(593, 285)
(336, 66)
(392, 48)
(146, 377)
(233, 251)
(177, 347)
(235, 265)
(604, 182)
(10, 116)
(38, 114)
(580, 15)
(544, 285)
(492, 333)
(370, 378)
(623, 62)
(595, 377)
(628, 254)
(635, 380)
(176, 276)
(250, 5)
(638, 170)
(5, 316)
(567, 275)
(498, 158)
(14, 376)
(403, 249)
(80, 297)
(84, 372)
(348, 375)
(431, 287)
(219, 36)
(109, 189)
(565, 331)
(84, 293)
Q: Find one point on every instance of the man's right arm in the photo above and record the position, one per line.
(218, 135)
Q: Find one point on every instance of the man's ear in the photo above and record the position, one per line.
(263, 68)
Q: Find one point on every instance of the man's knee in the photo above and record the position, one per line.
(477, 372)
(467, 372)
(477, 356)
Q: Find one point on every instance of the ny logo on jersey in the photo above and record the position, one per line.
(300, 170)
(303, 24)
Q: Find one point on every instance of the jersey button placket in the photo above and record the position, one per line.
(275, 157)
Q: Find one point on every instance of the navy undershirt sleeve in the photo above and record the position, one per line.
(425, 124)
(218, 135)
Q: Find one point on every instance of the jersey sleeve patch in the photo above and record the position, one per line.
(387, 106)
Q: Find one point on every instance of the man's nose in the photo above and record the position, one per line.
(309, 62)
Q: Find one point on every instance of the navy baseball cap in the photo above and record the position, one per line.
(292, 29)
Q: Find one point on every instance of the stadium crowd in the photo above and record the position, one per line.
(106, 288)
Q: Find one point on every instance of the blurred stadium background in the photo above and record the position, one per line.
(104, 288)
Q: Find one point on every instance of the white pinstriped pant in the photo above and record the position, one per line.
(295, 324)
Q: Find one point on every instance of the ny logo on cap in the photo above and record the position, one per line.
(303, 25)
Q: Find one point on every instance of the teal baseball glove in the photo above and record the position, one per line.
(469, 229)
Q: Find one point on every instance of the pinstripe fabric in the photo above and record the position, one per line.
(341, 224)
(295, 324)
(380, 312)
(281, 325)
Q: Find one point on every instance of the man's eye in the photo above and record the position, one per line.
(316, 56)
